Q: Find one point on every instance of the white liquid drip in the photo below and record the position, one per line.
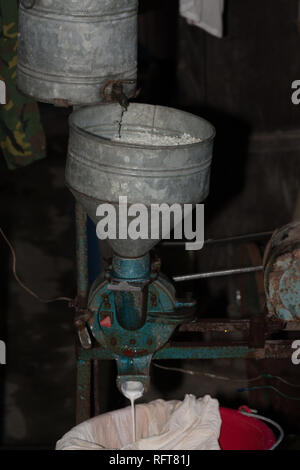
(132, 391)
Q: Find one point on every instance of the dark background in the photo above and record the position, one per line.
(242, 84)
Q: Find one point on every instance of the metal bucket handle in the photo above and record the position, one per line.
(28, 4)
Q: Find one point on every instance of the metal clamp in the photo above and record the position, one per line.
(81, 319)
(28, 4)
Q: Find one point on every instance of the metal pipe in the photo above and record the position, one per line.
(81, 252)
(210, 241)
(225, 272)
(274, 349)
(82, 273)
(83, 391)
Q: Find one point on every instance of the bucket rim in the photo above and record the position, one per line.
(85, 133)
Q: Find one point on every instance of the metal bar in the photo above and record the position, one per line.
(82, 272)
(291, 326)
(225, 272)
(215, 324)
(81, 252)
(187, 351)
(96, 394)
(209, 241)
(202, 352)
(83, 391)
(272, 350)
(241, 325)
(181, 351)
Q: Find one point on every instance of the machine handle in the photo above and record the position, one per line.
(224, 272)
(28, 4)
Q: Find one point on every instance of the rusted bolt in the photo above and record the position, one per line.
(149, 342)
(156, 265)
(153, 300)
(132, 341)
(113, 341)
(106, 301)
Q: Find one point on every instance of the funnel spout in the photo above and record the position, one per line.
(137, 370)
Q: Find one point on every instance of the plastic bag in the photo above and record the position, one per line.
(193, 424)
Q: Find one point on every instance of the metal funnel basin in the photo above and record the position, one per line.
(100, 170)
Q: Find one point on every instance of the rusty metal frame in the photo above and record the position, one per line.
(272, 349)
(257, 346)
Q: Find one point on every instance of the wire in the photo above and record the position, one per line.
(206, 374)
(191, 372)
(253, 414)
(283, 380)
(220, 377)
(14, 263)
(270, 387)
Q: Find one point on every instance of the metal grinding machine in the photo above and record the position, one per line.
(83, 53)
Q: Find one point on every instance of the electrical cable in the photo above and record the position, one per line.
(29, 291)
(269, 387)
(253, 414)
(220, 377)
(282, 380)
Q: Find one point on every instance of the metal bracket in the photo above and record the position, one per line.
(82, 316)
(113, 91)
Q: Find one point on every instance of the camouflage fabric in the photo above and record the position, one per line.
(22, 139)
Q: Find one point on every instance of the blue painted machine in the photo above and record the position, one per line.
(135, 313)
(131, 312)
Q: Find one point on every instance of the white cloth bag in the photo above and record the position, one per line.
(193, 424)
(206, 14)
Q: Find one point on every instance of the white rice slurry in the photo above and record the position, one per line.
(147, 138)
(132, 390)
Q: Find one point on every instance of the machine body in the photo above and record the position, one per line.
(135, 313)
(282, 273)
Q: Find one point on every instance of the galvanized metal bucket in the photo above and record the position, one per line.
(70, 51)
(100, 169)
